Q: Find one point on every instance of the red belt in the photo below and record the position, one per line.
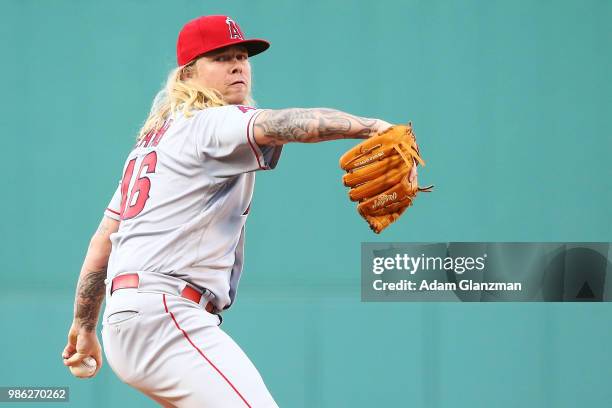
(130, 281)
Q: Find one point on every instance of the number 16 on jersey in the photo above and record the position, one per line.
(134, 199)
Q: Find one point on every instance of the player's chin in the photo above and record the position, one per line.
(236, 97)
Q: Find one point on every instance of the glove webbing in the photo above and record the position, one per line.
(397, 147)
(407, 161)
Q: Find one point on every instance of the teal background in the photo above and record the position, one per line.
(511, 102)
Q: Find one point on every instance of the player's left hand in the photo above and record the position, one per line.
(81, 344)
(382, 175)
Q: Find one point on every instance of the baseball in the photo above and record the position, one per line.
(86, 369)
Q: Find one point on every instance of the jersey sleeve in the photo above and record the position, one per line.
(226, 144)
(112, 209)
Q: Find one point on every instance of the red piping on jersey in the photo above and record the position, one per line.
(201, 353)
(251, 143)
(113, 211)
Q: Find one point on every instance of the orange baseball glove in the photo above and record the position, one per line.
(378, 174)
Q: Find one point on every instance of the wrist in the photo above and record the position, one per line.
(381, 126)
(84, 327)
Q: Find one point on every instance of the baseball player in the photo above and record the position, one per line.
(168, 253)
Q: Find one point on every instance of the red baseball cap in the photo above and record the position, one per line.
(208, 33)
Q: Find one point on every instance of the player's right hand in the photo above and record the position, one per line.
(81, 344)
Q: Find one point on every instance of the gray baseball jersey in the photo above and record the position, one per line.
(184, 199)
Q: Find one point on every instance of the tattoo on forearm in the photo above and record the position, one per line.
(313, 125)
(90, 292)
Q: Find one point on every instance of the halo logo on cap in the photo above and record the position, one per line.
(234, 31)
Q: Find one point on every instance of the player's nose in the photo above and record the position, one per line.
(236, 67)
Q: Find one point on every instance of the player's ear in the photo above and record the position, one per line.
(188, 71)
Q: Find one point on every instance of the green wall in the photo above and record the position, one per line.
(511, 102)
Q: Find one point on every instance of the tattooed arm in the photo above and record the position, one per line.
(277, 127)
(91, 288)
(82, 339)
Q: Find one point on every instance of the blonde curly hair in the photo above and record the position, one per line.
(181, 94)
